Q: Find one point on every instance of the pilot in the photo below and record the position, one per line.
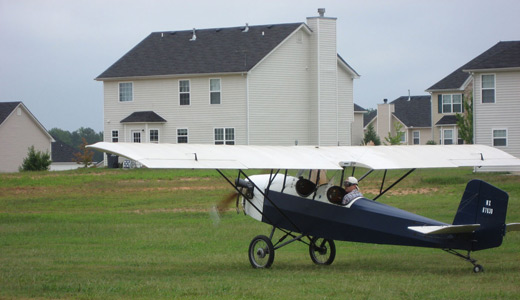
(351, 187)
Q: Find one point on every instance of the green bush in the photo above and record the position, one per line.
(36, 161)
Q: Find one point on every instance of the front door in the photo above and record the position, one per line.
(136, 136)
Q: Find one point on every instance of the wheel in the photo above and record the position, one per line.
(322, 251)
(261, 252)
(478, 269)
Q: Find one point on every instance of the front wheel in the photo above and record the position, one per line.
(261, 252)
(322, 251)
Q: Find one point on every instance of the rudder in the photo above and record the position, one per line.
(484, 204)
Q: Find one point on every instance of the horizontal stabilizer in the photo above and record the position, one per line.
(512, 227)
(445, 229)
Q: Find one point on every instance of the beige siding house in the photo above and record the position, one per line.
(493, 78)
(281, 84)
(19, 130)
(412, 113)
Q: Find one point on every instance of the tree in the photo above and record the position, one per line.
(395, 139)
(36, 161)
(74, 139)
(84, 156)
(465, 121)
(371, 136)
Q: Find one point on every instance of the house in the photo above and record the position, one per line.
(357, 126)
(411, 113)
(63, 157)
(19, 130)
(280, 84)
(493, 79)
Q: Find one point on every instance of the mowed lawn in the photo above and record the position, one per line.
(148, 234)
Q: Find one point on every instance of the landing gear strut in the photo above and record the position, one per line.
(476, 267)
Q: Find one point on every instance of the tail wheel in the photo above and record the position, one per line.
(261, 252)
(322, 251)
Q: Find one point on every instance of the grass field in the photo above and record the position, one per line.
(132, 234)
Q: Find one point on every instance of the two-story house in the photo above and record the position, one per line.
(411, 113)
(280, 84)
(493, 78)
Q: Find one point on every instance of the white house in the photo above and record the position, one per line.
(493, 78)
(280, 84)
(19, 130)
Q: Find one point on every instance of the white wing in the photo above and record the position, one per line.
(203, 156)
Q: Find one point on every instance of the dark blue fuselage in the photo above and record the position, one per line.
(365, 221)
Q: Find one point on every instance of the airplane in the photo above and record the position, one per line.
(307, 208)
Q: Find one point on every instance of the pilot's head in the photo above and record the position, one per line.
(350, 184)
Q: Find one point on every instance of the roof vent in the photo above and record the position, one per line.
(246, 29)
(194, 37)
(385, 100)
(321, 11)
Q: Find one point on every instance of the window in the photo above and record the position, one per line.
(499, 137)
(403, 137)
(184, 92)
(126, 92)
(224, 136)
(488, 88)
(214, 91)
(136, 136)
(452, 103)
(154, 135)
(416, 138)
(182, 136)
(447, 137)
(115, 136)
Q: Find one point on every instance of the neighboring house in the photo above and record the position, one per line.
(493, 78)
(280, 84)
(19, 130)
(413, 113)
(357, 126)
(63, 157)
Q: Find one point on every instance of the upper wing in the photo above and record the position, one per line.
(203, 156)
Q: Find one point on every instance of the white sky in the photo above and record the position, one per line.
(51, 50)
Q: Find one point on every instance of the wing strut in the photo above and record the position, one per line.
(381, 193)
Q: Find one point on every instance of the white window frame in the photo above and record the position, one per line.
(493, 138)
(225, 140)
(444, 136)
(119, 95)
(115, 138)
(451, 102)
(150, 135)
(184, 93)
(186, 136)
(418, 137)
(219, 91)
(482, 88)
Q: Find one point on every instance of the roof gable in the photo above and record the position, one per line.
(501, 55)
(217, 50)
(6, 108)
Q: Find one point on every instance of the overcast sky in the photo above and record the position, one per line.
(51, 51)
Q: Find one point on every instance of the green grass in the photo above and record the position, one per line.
(146, 234)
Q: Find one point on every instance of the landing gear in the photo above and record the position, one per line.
(476, 267)
(322, 251)
(261, 252)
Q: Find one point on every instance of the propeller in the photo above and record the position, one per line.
(222, 206)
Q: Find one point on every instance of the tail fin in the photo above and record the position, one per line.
(486, 205)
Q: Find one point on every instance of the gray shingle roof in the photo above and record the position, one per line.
(6, 108)
(447, 120)
(358, 108)
(369, 117)
(143, 117)
(501, 55)
(62, 152)
(217, 50)
(415, 112)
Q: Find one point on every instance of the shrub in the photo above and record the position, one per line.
(36, 161)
